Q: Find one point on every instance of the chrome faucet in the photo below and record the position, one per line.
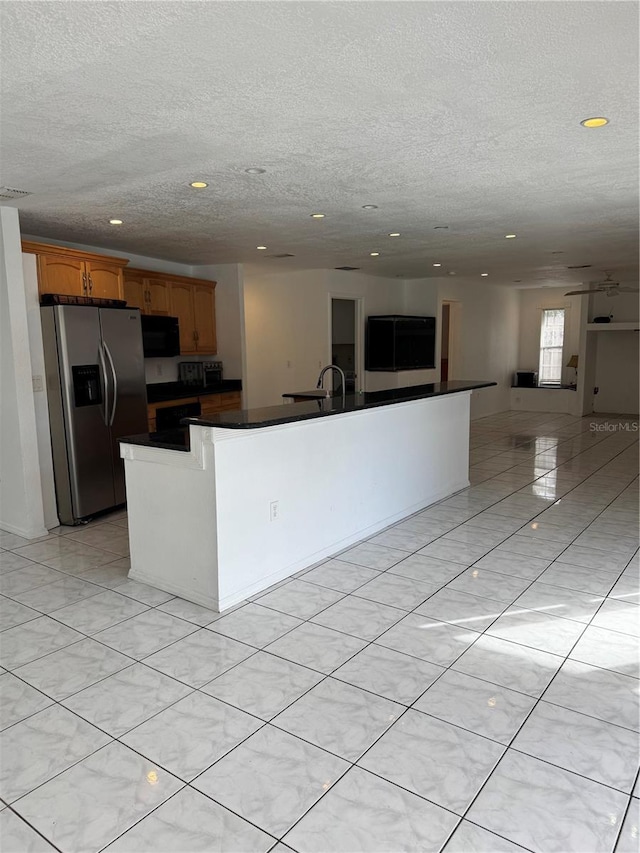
(321, 379)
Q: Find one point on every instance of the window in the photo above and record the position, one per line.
(551, 340)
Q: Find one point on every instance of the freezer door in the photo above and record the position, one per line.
(127, 403)
(81, 438)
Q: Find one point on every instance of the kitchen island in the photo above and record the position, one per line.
(257, 495)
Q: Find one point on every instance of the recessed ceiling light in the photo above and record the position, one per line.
(517, 280)
(261, 247)
(394, 234)
(597, 121)
(317, 215)
(483, 274)
(440, 227)
(255, 170)
(198, 185)
(510, 236)
(437, 265)
(369, 206)
(451, 272)
(374, 254)
(115, 222)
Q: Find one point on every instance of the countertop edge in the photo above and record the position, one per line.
(292, 412)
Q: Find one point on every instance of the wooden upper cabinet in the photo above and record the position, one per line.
(182, 308)
(151, 294)
(104, 280)
(158, 291)
(133, 288)
(59, 274)
(204, 309)
(72, 272)
(76, 273)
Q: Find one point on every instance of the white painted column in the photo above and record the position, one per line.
(21, 506)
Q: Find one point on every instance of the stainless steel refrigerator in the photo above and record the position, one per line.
(97, 393)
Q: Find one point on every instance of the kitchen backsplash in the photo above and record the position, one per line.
(166, 369)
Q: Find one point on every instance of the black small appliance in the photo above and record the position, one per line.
(160, 336)
(525, 379)
(400, 342)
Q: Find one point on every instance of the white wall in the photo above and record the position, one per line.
(624, 307)
(21, 506)
(616, 374)
(615, 354)
(40, 400)
(489, 338)
(287, 319)
(532, 302)
(229, 314)
(287, 331)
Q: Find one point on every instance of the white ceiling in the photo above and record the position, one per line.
(441, 113)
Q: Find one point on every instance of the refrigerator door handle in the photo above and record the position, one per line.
(104, 378)
(115, 384)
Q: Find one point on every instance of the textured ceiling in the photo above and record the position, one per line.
(454, 113)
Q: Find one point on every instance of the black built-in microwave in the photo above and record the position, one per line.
(160, 336)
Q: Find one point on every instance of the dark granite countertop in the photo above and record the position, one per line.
(292, 412)
(545, 387)
(313, 395)
(178, 439)
(162, 391)
(168, 439)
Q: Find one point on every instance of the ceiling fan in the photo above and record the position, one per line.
(611, 288)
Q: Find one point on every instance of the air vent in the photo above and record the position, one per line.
(10, 192)
(580, 267)
(283, 255)
(348, 269)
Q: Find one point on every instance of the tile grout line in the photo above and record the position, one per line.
(326, 675)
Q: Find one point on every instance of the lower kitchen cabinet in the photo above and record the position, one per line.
(210, 404)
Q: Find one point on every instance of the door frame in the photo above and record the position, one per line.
(455, 336)
(359, 323)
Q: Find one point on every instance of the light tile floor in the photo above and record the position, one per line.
(464, 681)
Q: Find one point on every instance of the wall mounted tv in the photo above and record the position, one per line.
(400, 342)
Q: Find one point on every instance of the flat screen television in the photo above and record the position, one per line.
(400, 342)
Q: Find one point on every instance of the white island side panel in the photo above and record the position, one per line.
(200, 524)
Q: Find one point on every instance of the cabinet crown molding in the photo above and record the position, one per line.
(170, 277)
(47, 249)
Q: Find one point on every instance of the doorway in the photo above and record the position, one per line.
(444, 345)
(345, 341)
(450, 341)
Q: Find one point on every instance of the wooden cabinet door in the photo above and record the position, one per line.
(204, 307)
(158, 293)
(105, 281)
(134, 292)
(182, 308)
(57, 274)
(210, 405)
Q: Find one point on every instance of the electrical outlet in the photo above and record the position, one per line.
(274, 511)
(38, 383)
(158, 369)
